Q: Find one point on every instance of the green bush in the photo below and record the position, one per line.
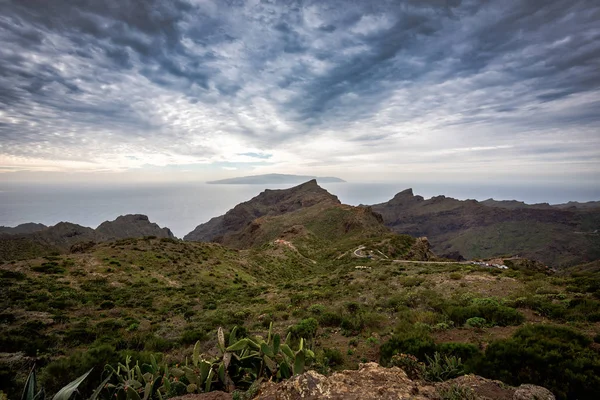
(307, 329)
(475, 322)
(488, 309)
(415, 343)
(557, 358)
(467, 352)
(329, 319)
(334, 357)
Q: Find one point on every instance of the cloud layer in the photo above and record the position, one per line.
(375, 88)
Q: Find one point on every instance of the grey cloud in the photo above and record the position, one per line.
(316, 64)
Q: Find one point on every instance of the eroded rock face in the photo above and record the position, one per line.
(371, 381)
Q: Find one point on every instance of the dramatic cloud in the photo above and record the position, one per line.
(365, 88)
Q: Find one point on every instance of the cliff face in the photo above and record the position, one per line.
(559, 237)
(267, 203)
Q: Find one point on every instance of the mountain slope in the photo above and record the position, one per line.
(479, 230)
(267, 203)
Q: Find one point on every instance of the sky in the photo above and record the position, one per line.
(459, 91)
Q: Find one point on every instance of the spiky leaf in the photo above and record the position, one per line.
(221, 372)
(208, 381)
(221, 338)
(30, 385)
(99, 388)
(232, 336)
(66, 392)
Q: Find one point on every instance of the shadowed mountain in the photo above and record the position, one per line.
(583, 206)
(267, 203)
(559, 237)
(130, 226)
(29, 227)
(63, 236)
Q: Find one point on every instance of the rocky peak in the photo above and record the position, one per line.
(267, 203)
(131, 225)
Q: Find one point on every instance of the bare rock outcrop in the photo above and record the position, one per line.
(371, 381)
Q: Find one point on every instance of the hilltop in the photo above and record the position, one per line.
(556, 236)
(267, 203)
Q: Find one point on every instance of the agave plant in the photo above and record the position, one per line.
(29, 393)
(133, 383)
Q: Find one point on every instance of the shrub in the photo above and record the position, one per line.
(468, 353)
(307, 329)
(557, 358)
(456, 276)
(488, 309)
(475, 322)
(316, 309)
(329, 319)
(333, 356)
(414, 343)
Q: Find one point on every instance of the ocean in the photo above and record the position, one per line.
(182, 206)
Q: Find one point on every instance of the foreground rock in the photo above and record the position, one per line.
(372, 381)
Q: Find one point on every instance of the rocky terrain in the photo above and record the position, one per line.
(373, 382)
(554, 235)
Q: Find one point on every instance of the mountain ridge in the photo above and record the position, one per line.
(492, 228)
(62, 236)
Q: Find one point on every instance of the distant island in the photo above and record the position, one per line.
(274, 179)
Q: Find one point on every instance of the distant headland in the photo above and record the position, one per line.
(275, 179)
